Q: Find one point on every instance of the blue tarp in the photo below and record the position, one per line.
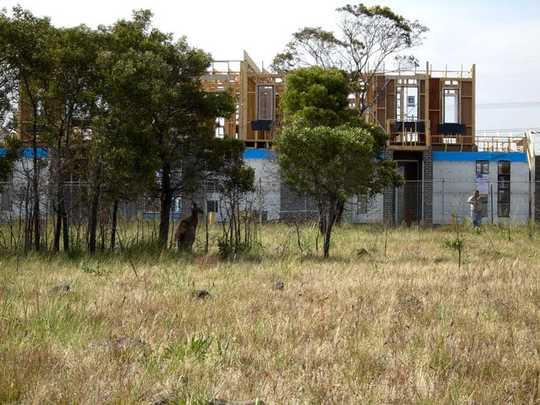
(258, 154)
(473, 156)
(28, 153)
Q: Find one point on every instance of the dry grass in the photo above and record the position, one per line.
(356, 329)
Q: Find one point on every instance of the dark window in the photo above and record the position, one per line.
(482, 183)
(265, 102)
(503, 189)
(212, 206)
(482, 167)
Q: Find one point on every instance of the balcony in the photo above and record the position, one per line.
(452, 136)
(408, 135)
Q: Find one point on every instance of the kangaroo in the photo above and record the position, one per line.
(186, 230)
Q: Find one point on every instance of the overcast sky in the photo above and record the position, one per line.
(501, 36)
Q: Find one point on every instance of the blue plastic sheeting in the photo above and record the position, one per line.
(28, 153)
(258, 154)
(473, 156)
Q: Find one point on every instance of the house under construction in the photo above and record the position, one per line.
(429, 116)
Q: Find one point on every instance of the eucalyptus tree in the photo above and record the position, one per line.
(26, 61)
(156, 82)
(366, 39)
(325, 149)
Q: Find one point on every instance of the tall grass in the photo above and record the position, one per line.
(400, 324)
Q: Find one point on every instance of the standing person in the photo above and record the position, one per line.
(476, 209)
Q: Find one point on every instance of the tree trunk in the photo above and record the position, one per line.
(92, 222)
(166, 203)
(35, 184)
(330, 221)
(340, 210)
(94, 209)
(65, 227)
(113, 224)
(57, 230)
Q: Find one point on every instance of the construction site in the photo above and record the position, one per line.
(429, 117)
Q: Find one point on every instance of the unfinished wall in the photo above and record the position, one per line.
(454, 181)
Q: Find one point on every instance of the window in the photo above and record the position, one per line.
(212, 206)
(503, 189)
(451, 106)
(482, 183)
(265, 102)
(407, 103)
(220, 127)
(482, 168)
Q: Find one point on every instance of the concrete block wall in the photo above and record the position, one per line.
(454, 182)
(428, 188)
(267, 185)
(296, 206)
(374, 214)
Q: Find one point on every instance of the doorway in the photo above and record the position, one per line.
(408, 197)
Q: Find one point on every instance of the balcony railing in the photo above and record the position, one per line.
(408, 133)
(501, 141)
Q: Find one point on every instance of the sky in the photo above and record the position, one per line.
(502, 37)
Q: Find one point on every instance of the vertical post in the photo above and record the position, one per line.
(473, 104)
(427, 127)
(396, 206)
(491, 200)
(243, 99)
(422, 198)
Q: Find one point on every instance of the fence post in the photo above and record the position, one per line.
(491, 200)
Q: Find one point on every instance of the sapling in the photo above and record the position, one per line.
(457, 243)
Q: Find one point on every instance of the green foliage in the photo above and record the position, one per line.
(196, 346)
(325, 148)
(382, 13)
(317, 96)
(333, 163)
(453, 244)
(94, 268)
(367, 37)
(11, 146)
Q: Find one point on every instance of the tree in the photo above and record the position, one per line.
(317, 97)
(367, 38)
(9, 153)
(157, 81)
(333, 164)
(69, 107)
(25, 48)
(235, 181)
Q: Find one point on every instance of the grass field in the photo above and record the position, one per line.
(360, 328)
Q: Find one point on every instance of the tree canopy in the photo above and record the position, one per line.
(367, 38)
(326, 149)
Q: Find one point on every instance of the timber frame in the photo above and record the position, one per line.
(428, 128)
(243, 79)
